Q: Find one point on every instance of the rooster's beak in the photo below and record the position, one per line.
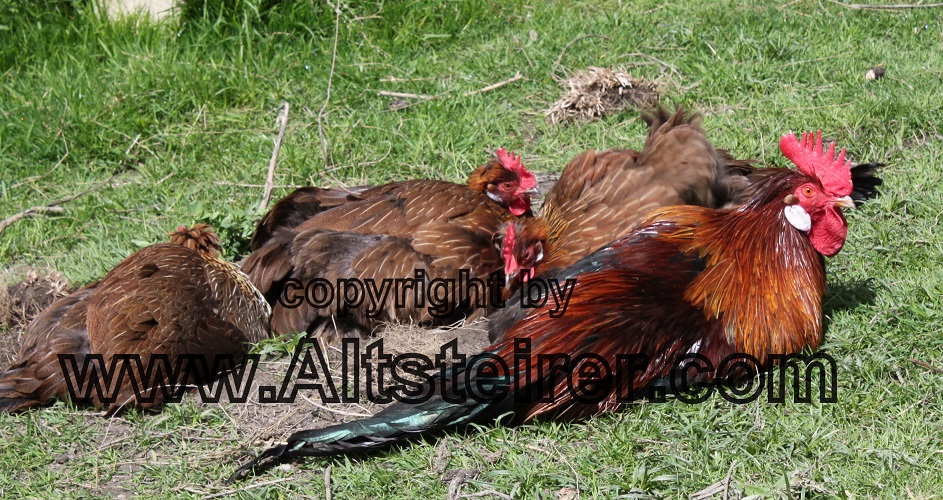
(845, 202)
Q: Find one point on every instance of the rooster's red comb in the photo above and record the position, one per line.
(512, 162)
(834, 173)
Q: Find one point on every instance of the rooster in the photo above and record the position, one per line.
(503, 179)
(690, 280)
(420, 230)
(171, 299)
(603, 196)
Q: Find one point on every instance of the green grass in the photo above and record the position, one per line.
(180, 116)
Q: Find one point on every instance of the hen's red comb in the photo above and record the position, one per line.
(512, 162)
(510, 233)
(182, 229)
(833, 173)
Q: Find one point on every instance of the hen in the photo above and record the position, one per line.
(603, 196)
(420, 231)
(690, 281)
(503, 179)
(169, 300)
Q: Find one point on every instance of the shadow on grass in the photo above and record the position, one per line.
(847, 295)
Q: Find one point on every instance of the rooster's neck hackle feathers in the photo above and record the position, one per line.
(756, 264)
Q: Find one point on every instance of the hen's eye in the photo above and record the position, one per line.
(808, 191)
(507, 186)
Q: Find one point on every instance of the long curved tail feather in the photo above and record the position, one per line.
(397, 423)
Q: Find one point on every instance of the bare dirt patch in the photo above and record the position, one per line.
(263, 423)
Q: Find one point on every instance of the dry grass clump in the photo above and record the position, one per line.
(596, 92)
(25, 299)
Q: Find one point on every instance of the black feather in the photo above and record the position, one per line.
(865, 181)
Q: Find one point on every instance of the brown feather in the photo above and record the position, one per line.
(441, 248)
(36, 379)
(601, 197)
(307, 202)
(604, 196)
(302, 204)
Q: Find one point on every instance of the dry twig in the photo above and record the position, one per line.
(486, 493)
(404, 95)
(250, 487)
(926, 365)
(270, 179)
(423, 97)
(255, 186)
(517, 76)
(330, 83)
(48, 208)
(720, 486)
(488, 88)
(328, 494)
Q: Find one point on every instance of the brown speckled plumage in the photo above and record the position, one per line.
(169, 299)
(601, 197)
(438, 227)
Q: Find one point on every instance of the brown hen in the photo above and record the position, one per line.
(164, 302)
(601, 197)
(503, 179)
(417, 230)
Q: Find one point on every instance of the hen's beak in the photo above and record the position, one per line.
(508, 279)
(845, 202)
(532, 192)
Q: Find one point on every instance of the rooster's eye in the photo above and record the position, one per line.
(808, 191)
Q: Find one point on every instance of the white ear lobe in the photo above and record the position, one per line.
(798, 217)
